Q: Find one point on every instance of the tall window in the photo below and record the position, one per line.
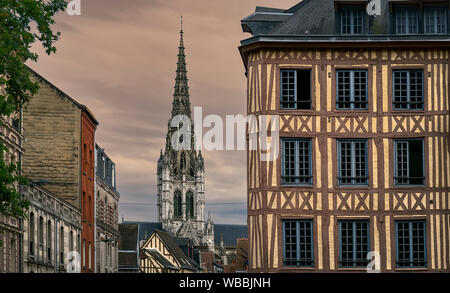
(352, 162)
(435, 20)
(408, 89)
(298, 243)
(406, 20)
(295, 89)
(177, 212)
(351, 89)
(189, 204)
(90, 256)
(352, 20)
(41, 230)
(409, 162)
(49, 241)
(84, 253)
(411, 243)
(296, 161)
(71, 241)
(354, 243)
(61, 245)
(31, 228)
(13, 260)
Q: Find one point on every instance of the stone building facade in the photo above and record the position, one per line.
(180, 172)
(362, 179)
(10, 228)
(59, 155)
(107, 219)
(51, 233)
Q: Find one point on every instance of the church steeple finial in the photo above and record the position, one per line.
(181, 103)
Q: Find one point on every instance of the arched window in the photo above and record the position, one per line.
(177, 204)
(182, 161)
(189, 204)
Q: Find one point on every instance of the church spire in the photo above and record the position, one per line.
(181, 103)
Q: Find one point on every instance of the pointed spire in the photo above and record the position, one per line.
(181, 103)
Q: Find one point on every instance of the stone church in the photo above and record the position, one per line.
(181, 186)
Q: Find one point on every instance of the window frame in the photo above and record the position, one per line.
(352, 8)
(296, 161)
(429, 7)
(353, 162)
(296, 99)
(297, 243)
(408, 90)
(408, 8)
(354, 221)
(352, 90)
(411, 244)
(396, 161)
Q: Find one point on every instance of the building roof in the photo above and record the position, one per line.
(318, 18)
(146, 229)
(230, 233)
(177, 252)
(160, 258)
(84, 108)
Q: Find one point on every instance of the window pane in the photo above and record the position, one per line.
(296, 161)
(352, 21)
(343, 90)
(409, 162)
(406, 20)
(297, 243)
(411, 243)
(354, 243)
(353, 166)
(288, 99)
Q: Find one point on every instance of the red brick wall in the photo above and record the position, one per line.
(87, 193)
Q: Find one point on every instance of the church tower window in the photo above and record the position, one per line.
(177, 204)
(189, 204)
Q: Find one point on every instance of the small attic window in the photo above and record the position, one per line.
(351, 20)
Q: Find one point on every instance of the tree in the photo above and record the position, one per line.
(22, 23)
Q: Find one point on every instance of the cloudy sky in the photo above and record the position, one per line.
(119, 58)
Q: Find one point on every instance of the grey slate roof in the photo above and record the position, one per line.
(177, 252)
(319, 18)
(230, 233)
(161, 259)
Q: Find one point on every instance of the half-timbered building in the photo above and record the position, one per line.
(363, 171)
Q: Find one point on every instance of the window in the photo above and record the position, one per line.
(49, 241)
(104, 166)
(113, 175)
(411, 243)
(177, 212)
(41, 231)
(435, 20)
(71, 241)
(61, 245)
(408, 160)
(31, 228)
(296, 161)
(352, 20)
(351, 89)
(90, 255)
(406, 20)
(352, 162)
(16, 124)
(408, 89)
(84, 253)
(189, 204)
(298, 243)
(295, 89)
(13, 260)
(353, 243)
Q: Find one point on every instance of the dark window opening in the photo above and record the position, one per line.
(409, 166)
(351, 89)
(296, 162)
(352, 20)
(296, 89)
(352, 163)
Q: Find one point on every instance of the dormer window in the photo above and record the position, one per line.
(351, 20)
(435, 20)
(406, 20)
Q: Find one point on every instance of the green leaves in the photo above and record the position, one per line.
(22, 23)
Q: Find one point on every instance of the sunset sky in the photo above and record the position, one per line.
(119, 59)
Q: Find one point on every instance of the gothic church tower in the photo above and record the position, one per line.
(181, 186)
